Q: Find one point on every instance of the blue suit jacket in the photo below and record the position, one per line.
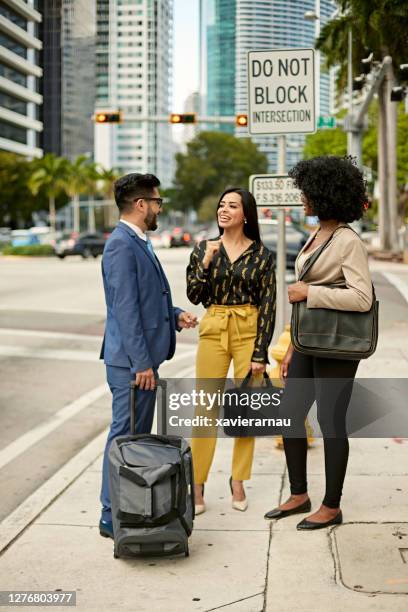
(141, 320)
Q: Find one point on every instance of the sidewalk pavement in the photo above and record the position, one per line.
(238, 561)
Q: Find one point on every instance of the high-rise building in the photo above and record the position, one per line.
(231, 28)
(20, 72)
(134, 64)
(69, 89)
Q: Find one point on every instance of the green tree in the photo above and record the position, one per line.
(214, 161)
(325, 142)
(17, 203)
(81, 180)
(106, 179)
(50, 175)
(378, 26)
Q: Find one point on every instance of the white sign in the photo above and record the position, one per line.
(281, 91)
(275, 190)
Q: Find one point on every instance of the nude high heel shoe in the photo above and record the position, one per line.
(238, 505)
(200, 508)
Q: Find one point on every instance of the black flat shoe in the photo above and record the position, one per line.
(310, 525)
(277, 513)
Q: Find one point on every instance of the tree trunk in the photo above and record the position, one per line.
(76, 211)
(52, 215)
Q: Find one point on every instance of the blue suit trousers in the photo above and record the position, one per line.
(119, 383)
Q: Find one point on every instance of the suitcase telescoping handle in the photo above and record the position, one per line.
(133, 397)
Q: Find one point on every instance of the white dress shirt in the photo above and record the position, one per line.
(136, 229)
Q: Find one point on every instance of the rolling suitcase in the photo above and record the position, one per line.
(152, 491)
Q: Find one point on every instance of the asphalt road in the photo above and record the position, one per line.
(53, 398)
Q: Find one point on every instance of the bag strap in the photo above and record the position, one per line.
(309, 263)
(320, 250)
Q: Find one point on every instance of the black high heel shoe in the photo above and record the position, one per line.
(278, 513)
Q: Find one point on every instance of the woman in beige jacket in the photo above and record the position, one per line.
(334, 190)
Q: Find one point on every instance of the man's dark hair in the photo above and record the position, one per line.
(131, 186)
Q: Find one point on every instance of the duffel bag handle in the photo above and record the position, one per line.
(132, 403)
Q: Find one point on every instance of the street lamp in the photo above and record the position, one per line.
(315, 16)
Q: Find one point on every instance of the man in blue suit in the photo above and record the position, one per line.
(141, 320)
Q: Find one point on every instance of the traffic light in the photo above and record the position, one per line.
(241, 120)
(367, 64)
(176, 118)
(398, 93)
(403, 73)
(359, 82)
(108, 117)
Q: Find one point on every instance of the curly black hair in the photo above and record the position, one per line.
(334, 187)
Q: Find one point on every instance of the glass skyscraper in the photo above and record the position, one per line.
(20, 73)
(133, 74)
(68, 34)
(231, 28)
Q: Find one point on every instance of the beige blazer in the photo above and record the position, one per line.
(344, 262)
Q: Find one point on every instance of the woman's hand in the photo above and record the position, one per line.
(286, 362)
(298, 292)
(212, 247)
(257, 368)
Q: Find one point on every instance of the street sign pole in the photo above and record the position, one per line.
(281, 101)
(281, 247)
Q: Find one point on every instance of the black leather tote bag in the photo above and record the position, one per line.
(335, 334)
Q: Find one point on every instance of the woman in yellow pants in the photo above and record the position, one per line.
(233, 277)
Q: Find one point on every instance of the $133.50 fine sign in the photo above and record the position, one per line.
(274, 190)
(281, 91)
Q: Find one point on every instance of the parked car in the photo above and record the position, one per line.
(23, 238)
(180, 236)
(160, 239)
(86, 244)
(5, 235)
(206, 232)
(296, 237)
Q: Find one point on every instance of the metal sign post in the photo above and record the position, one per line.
(281, 100)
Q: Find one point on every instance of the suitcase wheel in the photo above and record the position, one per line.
(115, 556)
(187, 552)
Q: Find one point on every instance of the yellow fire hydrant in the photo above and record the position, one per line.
(278, 352)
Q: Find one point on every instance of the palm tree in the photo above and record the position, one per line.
(81, 179)
(106, 178)
(50, 175)
(378, 26)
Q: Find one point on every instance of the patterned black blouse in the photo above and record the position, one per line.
(249, 280)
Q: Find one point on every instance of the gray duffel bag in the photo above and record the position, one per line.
(152, 493)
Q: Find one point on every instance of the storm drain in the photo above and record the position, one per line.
(373, 558)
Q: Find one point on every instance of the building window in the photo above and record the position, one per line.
(13, 132)
(12, 45)
(14, 17)
(14, 104)
(13, 75)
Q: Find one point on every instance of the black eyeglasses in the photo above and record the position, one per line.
(158, 200)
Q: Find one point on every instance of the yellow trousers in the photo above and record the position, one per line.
(225, 333)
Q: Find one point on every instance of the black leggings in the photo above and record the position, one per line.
(332, 402)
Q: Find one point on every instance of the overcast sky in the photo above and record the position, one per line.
(185, 51)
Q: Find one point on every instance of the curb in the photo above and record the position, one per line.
(24, 515)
